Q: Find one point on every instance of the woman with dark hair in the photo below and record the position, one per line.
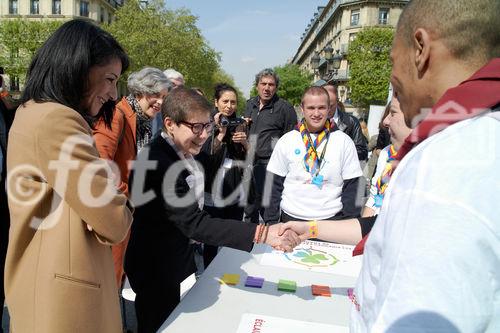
(65, 210)
(220, 154)
(130, 130)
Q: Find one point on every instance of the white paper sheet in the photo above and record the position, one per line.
(252, 323)
(318, 257)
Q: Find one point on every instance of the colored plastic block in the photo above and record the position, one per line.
(254, 282)
(287, 285)
(318, 290)
(232, 279)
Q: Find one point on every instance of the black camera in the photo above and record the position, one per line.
(231, 122)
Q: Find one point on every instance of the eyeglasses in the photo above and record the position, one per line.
(197, 128)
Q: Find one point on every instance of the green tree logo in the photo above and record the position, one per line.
(312, 257)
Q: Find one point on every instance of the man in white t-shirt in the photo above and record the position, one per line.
(315, 172)
(432, 260)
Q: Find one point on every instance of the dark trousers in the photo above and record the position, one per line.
(4, 240)
(255, 207)
(234, 212)
(153, 306)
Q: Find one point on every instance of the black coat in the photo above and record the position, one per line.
(350, 125)
(275, 119)
(159, 250)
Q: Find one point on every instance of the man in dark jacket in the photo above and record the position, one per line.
(347, 123)
(270, 117)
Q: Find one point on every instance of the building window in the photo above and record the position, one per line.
(35, 7)
(383, 15)
(12, 6)
(354, 17)
(102, 15)
(84, 8)
(56, 7)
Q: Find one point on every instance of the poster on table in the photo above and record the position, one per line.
(316, 256)
(252, 323)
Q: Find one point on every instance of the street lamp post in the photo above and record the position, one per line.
(341, 93)
(315, 61)
(333, 62)
(328, 52)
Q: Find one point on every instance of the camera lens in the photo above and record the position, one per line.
(224, 121)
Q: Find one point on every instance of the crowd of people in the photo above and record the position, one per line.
(99, 188)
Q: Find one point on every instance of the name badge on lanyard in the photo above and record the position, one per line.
(318, 180)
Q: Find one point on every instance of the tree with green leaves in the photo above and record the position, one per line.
(159, 37)
(19, 41)
(370, 66)
(293, 82)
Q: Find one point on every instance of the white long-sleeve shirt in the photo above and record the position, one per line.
(432, 260)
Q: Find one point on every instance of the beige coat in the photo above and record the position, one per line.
(59, 275)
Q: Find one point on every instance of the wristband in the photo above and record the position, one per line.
(266, 230)
(258, 233)
(256, 236)
(313, 229)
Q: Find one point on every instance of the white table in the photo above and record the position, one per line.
(212, 307)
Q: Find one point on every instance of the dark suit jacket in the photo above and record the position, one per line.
(350, 125)
(159, 251)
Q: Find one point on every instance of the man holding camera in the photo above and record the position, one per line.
(270, 117)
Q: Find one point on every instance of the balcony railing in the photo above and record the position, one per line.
(342, 74)
(115, 3)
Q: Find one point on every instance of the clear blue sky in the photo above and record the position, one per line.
(251, 35)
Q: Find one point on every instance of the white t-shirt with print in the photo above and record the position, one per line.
(300, 198)
(432, 260)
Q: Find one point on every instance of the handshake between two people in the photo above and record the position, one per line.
(286, 236)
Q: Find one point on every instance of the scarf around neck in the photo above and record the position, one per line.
(312, 161)
(144, 131)
(385, 176)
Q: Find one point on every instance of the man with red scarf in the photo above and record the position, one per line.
(432, 261)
